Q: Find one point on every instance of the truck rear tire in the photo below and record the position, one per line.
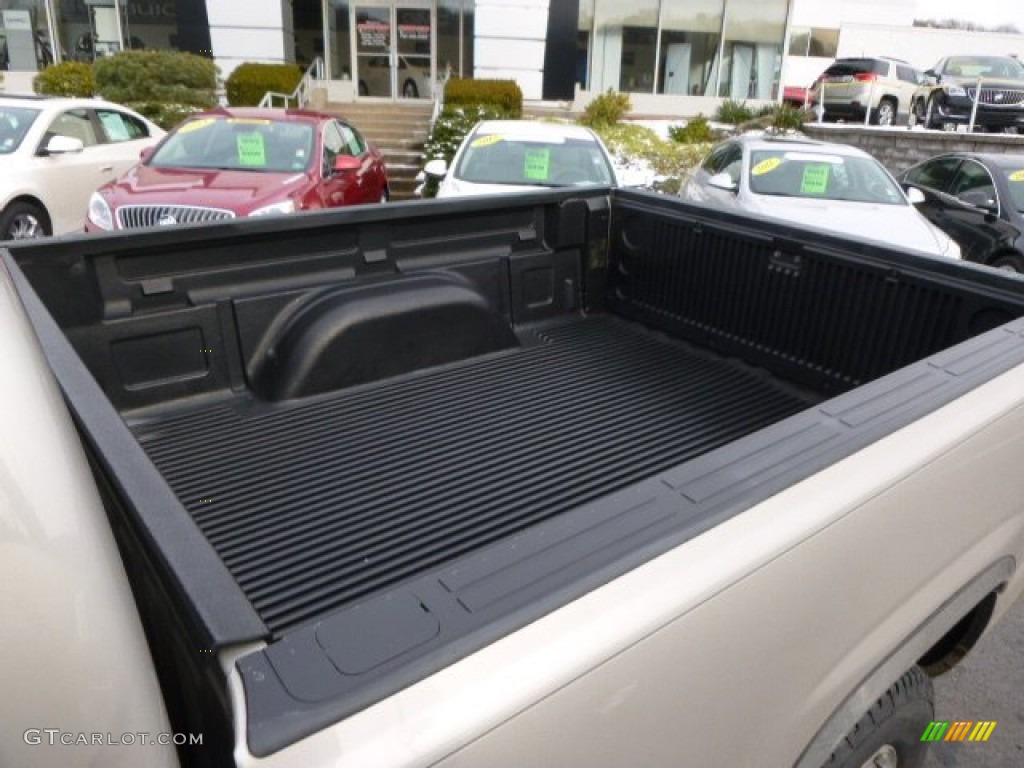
(889, 734)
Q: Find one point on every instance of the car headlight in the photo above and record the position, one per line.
(99, 212)
(288, 206)
(954, 90)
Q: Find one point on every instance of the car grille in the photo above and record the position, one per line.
(998, 96)
(135, 216)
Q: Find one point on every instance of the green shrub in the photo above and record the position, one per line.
(779, 118)
(503, 95)
(733, 112)
(247, 84)
(158, 77)
(669, 160)
(696, 130)
(165, 115)
(787, 117)
(69, 78)
(607, 109)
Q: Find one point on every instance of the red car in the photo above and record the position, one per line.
(243, 162)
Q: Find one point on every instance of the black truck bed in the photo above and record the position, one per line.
(376, 440)
(315, 504)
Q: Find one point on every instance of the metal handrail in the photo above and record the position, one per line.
(439, 85)
(301, 94)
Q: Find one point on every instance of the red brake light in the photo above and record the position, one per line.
(865, 77)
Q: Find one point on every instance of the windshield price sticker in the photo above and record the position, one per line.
(766, 166)
(537, 164)
(486, 141)
(815, 180)
(248, 121)
(1017, 176)
(251, 151)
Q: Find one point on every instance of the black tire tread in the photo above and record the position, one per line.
(914, 686)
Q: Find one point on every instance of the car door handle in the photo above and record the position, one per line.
(106, 169)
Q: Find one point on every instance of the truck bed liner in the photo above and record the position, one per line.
(315, 504)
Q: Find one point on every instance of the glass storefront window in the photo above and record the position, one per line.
(24, 35)
(340, 65)
(89, 30)
(752, 49)
(308, 31)
(626, 40)
(813, 41)
(454, 39)
(690, 34)
(584, 27)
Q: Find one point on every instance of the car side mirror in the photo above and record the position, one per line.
(345, 163)
(915, 196)
(723, 181)
(437, 168)
(980, 199)
(62, 145)
(147, 153)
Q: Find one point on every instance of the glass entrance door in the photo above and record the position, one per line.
(394, 45)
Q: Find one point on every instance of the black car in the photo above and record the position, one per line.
(953, 84)
(978, 200)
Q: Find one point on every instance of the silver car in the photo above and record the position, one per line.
(832, 187)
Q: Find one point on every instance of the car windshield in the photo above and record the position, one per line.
(14, 124)
(821, 176)
(499, 159)
(242, 144)
(984, 66)
(1015, 181)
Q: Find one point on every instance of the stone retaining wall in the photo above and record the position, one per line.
(899, 148)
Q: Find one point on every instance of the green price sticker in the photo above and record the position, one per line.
(537, 165)
(815, 180)
(251, 150)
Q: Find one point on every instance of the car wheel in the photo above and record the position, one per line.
(1010, 262)
(890, 733)
(886, 112)
(363, 89)
(410, 91)
(23, 221)
(919, 113)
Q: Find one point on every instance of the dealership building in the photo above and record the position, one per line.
(672, 56)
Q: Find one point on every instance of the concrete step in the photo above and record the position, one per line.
(403, 189)
(395, 157)
(399, 142)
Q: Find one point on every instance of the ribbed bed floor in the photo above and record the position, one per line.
(313, 504)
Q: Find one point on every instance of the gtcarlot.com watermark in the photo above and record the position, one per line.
(56, 737)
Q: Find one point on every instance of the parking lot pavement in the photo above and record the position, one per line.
(988, 685)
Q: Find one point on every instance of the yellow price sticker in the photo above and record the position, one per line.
(766, 166)
(1017, 176)
(196, 125)
(486, 141)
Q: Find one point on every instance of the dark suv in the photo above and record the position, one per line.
(948, 97)
(851, 86)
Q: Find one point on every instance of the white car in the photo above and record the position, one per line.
(833, 187)
(55, 152)
(500, 156)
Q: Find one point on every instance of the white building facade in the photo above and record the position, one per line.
(672, 56)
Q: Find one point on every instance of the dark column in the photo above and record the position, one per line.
(560, 51)
(193, 33)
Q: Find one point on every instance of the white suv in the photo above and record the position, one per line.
(55, 152)
(851, 86)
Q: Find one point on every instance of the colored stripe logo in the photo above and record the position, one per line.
(958, 730)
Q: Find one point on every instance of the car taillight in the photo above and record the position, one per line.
(865, 77)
